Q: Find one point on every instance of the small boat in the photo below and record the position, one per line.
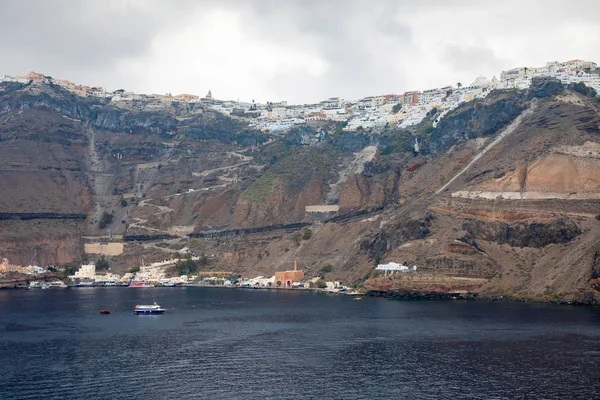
(89, 283)
(38, 285)
(358, 298)
(148, 309)
(169, 284)
(138, 284)
(104, 311)
(56, 284)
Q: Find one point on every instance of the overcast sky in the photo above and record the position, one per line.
(294, 50)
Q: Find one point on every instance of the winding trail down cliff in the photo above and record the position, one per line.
(507, 131)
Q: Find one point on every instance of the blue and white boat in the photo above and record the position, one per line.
(145, 309)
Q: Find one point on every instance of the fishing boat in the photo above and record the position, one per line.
(104, 312)
(145, 309)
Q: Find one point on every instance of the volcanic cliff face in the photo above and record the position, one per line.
(501, 198)
(517, 210)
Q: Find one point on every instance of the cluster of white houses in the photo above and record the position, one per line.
(370, 112)
(156, 274)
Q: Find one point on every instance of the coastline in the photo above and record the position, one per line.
(405, 295)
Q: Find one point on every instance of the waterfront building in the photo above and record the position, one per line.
(287, 278)
(86, 271)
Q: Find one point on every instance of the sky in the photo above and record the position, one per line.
(300, 51)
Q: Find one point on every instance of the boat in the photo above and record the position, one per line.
(358, 298)
(145, 309)
(56, 284)
(138, 284)
(38, 285)
(104, 312)
(169, 284)
(85, 284)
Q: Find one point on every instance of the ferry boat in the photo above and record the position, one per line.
(148, 309)
(138, 284)
(57, 284)
(38, 285)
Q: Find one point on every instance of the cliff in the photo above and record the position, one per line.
(501, 198)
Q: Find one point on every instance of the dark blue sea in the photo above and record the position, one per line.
(262, 344)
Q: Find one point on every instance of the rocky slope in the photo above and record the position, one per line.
(500, 199)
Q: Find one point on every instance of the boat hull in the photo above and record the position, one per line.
(148, 312)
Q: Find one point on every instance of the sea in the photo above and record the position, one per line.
(215, 343)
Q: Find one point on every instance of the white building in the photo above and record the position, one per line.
(86, 271)
(392, 266)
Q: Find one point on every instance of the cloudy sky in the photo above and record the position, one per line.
(294, 50)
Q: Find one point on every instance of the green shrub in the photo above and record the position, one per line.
(326, 268)
(106, 220)
(307, 234)
(102, 264)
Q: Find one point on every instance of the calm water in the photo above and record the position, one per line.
(217, 343)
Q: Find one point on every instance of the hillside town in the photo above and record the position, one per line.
(373, 112)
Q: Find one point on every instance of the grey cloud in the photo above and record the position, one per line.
(472, 59)
(370, 47)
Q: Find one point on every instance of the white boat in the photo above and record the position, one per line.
(56, 284)
(145, 309)
(38, 285)
(85, 283)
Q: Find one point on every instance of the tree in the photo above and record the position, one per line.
(123, 203)
(105, 220)
(459, 85)
(102, 264)
(186, 266)
(321, 284)
(396, 108)
(278, 283)
(203, 260)
(133, 270)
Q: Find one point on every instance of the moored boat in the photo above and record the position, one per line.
(38, 285)
(56, 284)
(145, 309)
(138, 284)
(89, 283)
